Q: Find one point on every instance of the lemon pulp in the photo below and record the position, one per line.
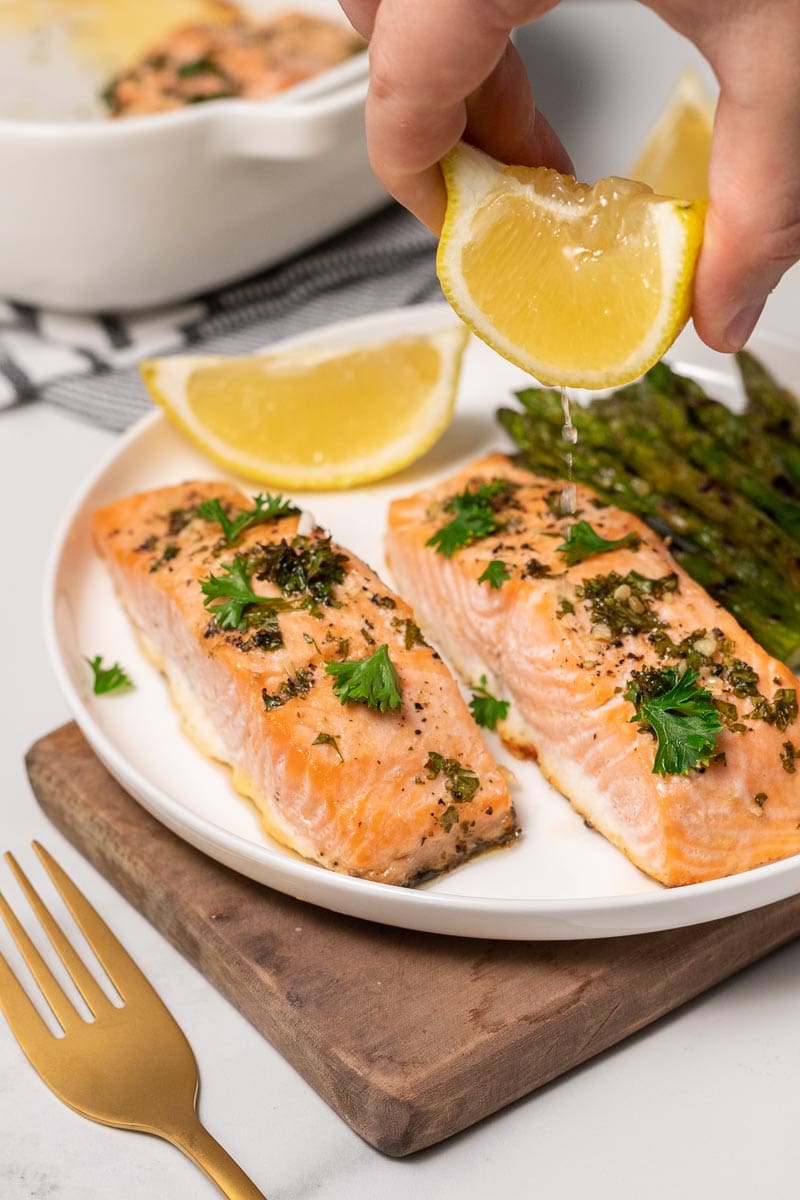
(581, 286)
(525, 274)
(325, 416)
(324, 413)
(674, 160)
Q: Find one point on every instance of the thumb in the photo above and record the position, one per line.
(752, 231)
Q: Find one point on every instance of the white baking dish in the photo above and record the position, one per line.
(98, 215)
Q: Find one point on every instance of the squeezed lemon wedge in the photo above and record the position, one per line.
(315, 418)
(581, 286)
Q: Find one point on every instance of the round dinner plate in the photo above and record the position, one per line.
(558, 880)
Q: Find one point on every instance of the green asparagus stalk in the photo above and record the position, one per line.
(773, 457)
(670, 416)
(632, 440)
(750, 589)
(772, 405)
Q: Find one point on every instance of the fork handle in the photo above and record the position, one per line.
(197, 1143)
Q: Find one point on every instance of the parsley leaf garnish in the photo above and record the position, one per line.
(235, 593)
(460, 781)
(108, 679)
(372, 681)
(486, 708)
(327, 739)
(474, 516)
(496, 574)
(582, 541)
(681, 715)
(267, 508)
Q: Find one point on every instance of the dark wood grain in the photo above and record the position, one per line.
(409, 1037)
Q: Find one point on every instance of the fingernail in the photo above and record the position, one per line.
(743, 325)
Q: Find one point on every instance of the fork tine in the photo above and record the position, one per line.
(64, 1012)
(85, 982)
(122, 970)
(20, 1013)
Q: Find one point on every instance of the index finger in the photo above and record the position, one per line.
(425, 61)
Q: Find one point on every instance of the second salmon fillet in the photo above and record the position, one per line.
(565, 643)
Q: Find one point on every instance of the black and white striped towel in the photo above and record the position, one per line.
(88, 365)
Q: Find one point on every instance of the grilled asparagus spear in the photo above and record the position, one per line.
(747, 585)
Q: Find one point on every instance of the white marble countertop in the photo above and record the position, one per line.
(701, 1104)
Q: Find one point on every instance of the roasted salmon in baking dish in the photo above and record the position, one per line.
(667, 727)
(292, 662)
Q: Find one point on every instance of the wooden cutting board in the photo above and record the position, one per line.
(409, 1037)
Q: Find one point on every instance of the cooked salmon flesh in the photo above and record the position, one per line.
(569, 645)
(262, 633)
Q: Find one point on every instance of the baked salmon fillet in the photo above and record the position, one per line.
(565, 643)
(393, 794)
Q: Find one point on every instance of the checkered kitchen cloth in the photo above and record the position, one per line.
(88, 364)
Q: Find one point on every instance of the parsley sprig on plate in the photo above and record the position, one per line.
(372, 681)
(108, 679)
(680, 713)
(486, 708)
(582, 541)
(266, 508)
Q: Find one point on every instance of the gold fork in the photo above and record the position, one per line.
(130, 1067)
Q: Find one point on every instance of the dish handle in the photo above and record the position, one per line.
(292, 129)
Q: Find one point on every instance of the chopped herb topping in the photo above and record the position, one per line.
(564, 607)
(680, 713)
(474, 516)
(293, 687)
(178, 519)
(743, 679)
(789, 757)
(306, 566)
(534, 569)
(729, 715)
(148, 544)
(342, 644)
(236, 595)
(449, 818)
(372, 681)
(327, 739)
(412, 634)
(760, 799)
(782, 711)
(267, 508)
(460, 782)
(623, 602)
(486, 708)
(170, 551)
(107, 679)
(383, 601)
(267, 637)
(495, 574)
(582, 541)
(200, 66)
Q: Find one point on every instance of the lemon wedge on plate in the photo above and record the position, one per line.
(581, 286)
(674, 159)
(330, 417)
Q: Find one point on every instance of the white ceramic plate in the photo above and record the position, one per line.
(560, 880)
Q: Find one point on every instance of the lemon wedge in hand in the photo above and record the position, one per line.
(581, 286)
(315, 418)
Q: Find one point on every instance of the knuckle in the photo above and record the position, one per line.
(384, 82)
(781, 244)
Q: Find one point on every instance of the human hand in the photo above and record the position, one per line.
(443, 70)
